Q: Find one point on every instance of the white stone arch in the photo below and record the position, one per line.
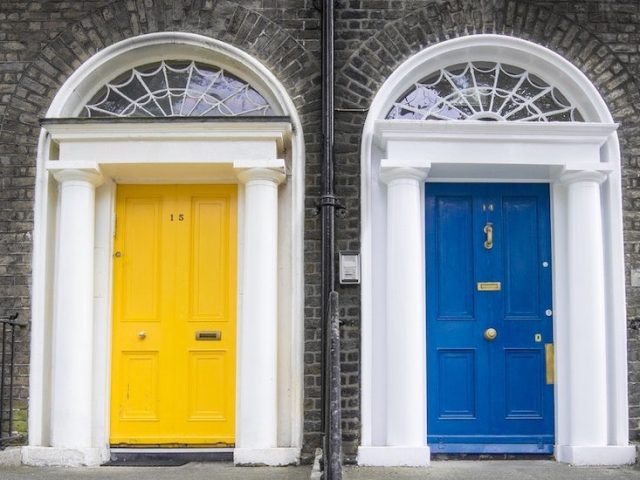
(558, 153)
(251, 153)
(153, 47)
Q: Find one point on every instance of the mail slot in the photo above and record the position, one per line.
(489, 286)
(210, 335)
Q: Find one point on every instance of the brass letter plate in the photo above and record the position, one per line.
(489, 286)
(210, 335)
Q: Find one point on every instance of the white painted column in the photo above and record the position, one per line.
(257, 421)
(586, 316)
(586, 442)
(71, 416)
(405, 319)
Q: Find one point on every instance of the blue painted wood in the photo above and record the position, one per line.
(488, 396)
(457, 400)
(494, 448)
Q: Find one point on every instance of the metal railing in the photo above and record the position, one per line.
(8, 327)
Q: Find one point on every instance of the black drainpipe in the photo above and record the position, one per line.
(331, 418)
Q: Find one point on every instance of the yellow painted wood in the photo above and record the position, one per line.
(174, 275)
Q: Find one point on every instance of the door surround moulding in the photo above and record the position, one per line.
(159, 149)
(477, 151)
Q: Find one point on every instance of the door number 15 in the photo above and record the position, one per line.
(180, 217)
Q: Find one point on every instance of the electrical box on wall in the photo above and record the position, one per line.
(349, 267)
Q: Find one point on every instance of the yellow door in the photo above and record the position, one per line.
(174, 315)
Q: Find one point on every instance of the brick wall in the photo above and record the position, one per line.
(42, 42)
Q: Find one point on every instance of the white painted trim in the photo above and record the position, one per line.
(288, 143)
(245, 145)
(131, 131)
(609, 455)
(469, 130)
(474, 151)
(74, 302)
(38, 421)
(64, 457)
(502, 149)
(272, 457)
(394, 456)
(132, 52)
(406, 416)
(544, 63)
(257, 403)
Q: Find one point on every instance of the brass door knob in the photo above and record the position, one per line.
(142, 335)
(490, 334)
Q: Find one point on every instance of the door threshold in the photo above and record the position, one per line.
(498, 450)
(170, 450)
(166, 457)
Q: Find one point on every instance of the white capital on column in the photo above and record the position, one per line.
(71, 423)
(586, 323)
(405, 320)
(257, 406)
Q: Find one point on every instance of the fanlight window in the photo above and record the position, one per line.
(176, 89)
(484, 91)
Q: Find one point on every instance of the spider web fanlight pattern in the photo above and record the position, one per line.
(177, 89)
(484, 91)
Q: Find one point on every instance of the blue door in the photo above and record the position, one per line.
(489, 319)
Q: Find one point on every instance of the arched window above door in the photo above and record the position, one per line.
(177, 88)
(478, 90)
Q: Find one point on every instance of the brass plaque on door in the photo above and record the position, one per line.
(489, 286)
(211, 335)
(548, 355)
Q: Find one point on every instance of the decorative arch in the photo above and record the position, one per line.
(85, 84)
(95, 154)
(483, 91)
(406, 153)
(369, 66)
(171, 88)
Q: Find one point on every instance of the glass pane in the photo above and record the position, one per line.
(177, 88)
(483, 90)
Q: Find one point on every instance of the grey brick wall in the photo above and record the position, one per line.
(42, 42)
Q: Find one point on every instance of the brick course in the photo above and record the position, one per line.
(43, 42)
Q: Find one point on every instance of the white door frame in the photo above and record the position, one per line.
(582, 162)
(93, 156)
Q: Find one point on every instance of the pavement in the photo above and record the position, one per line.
(439, 470)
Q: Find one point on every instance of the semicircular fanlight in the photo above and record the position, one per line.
(484, 91)
(176, 89)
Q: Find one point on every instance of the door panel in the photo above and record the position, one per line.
(139, 400)
(142, 290)
(455, 269)
(206, 368)
(457, 387)
(488, 266)
(174, 279)
(523, 402)
(208, 293)
(520, 226)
